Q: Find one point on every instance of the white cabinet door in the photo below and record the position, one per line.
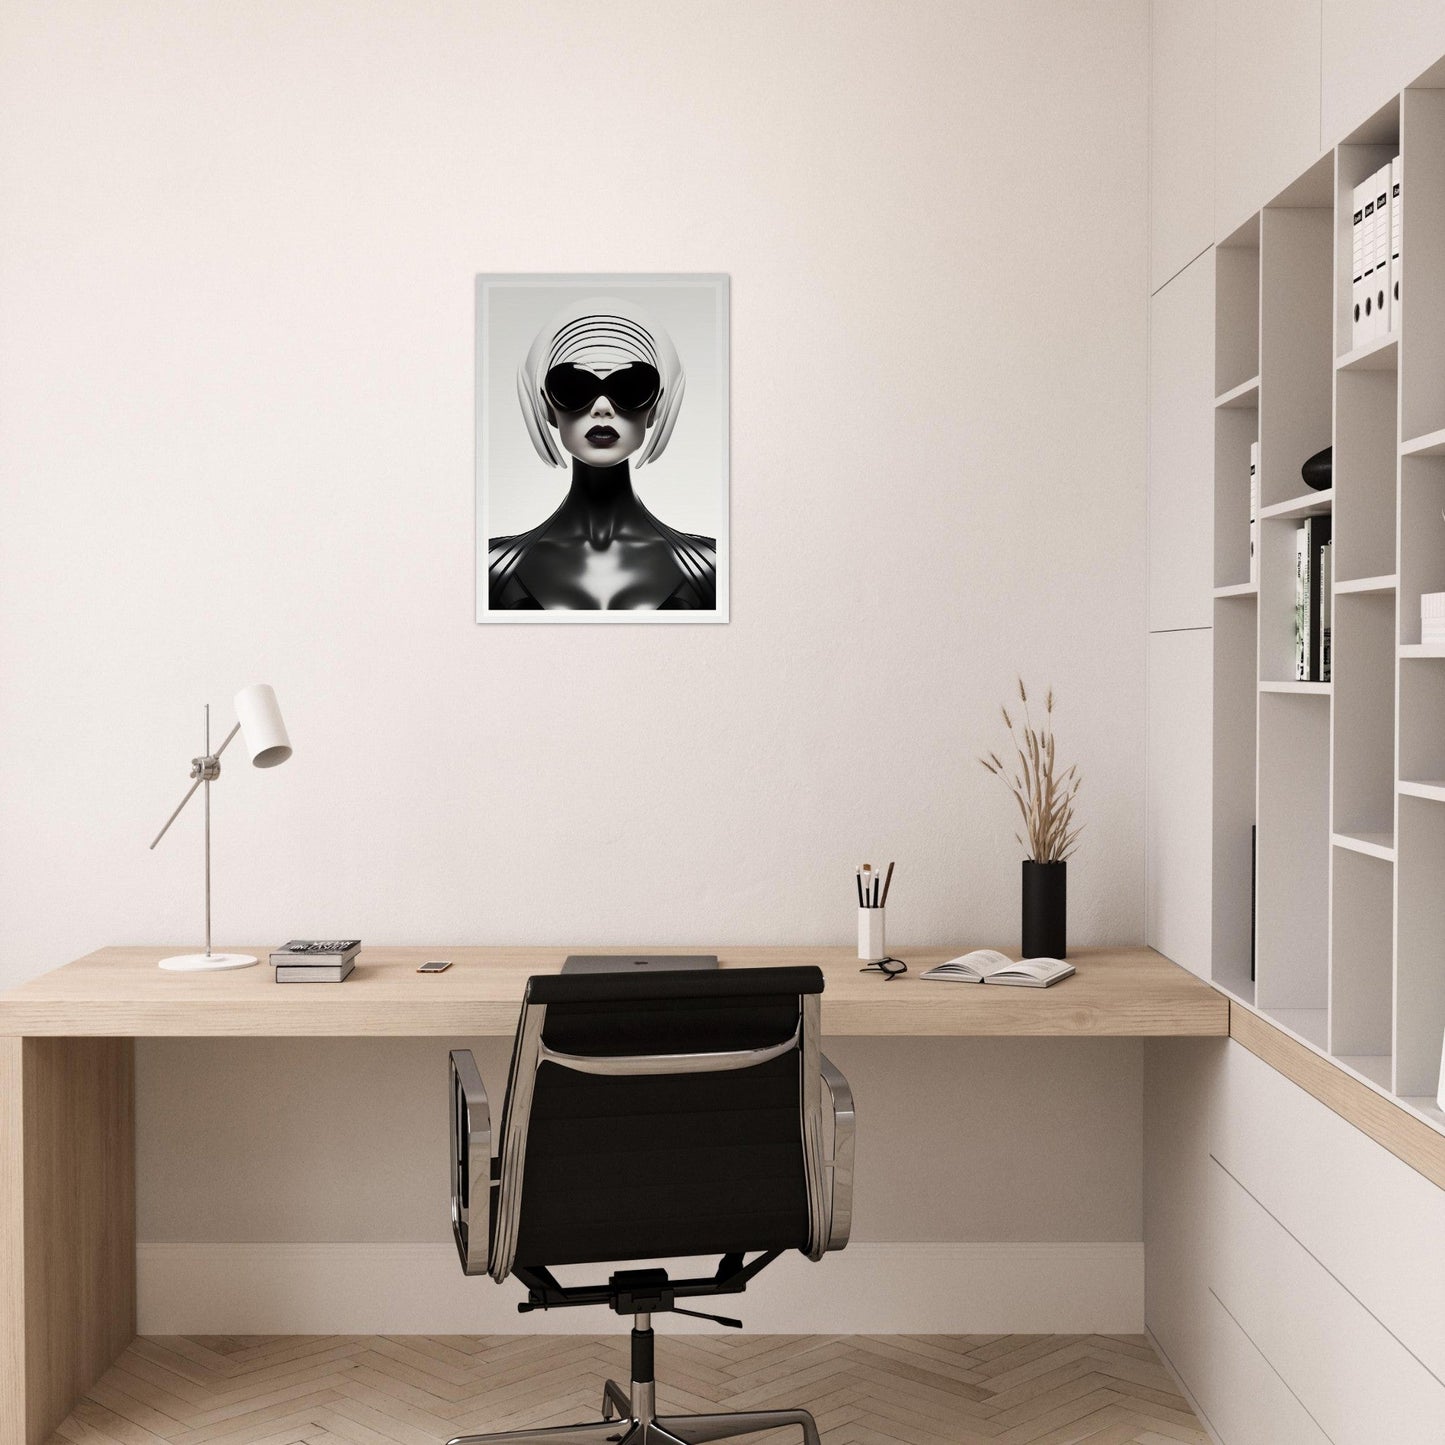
(1181, 134)
(1266, 102)
(1178, 819)
(1181, 450)
(1371, 49)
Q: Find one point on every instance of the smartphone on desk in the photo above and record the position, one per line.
(435, 965)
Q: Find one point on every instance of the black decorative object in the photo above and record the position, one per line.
(1319, 471)
(1045, 911)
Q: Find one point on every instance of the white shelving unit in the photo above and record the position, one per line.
(1336, 789)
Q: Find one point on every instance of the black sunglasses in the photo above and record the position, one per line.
(574, 388)
(890, 968)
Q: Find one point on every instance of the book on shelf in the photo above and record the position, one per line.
(988, 965)
(1326, 606)
(1254, 513)
(316, 952)
(1309, 610)
(314, 972)
(1301, 605)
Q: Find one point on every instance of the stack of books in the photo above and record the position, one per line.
(315, 960)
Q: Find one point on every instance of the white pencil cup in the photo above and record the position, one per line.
(871, 946)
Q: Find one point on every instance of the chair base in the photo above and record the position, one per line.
(641, 1427)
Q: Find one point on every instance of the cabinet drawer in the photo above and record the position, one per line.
(1357, 1381)
(1246, 1402)
(1367, 1217)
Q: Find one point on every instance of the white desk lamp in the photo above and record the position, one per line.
(258, 720)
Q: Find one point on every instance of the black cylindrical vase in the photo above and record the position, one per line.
(1046, 909)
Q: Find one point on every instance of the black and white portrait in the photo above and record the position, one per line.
(602, 465)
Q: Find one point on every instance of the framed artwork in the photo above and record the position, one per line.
(602, 448)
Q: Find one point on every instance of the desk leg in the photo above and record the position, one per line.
(67, 1224)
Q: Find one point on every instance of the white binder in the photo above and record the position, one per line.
(1357, 266)
(1381, 292)
(1254, 513)
(1396, 225)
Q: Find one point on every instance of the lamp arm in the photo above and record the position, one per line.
(199, 772)
(235, 728)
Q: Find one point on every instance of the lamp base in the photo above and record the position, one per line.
(206, 962)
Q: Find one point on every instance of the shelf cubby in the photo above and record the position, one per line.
(1276, 602)
(1362, 956)
(1422, 249)
(1363, 685)
(1296, 330)
(1365, 461)
(1236, 302)
(1420, 962)
(1292, 944)
(1422, 537)
(1236, 701)
(1235, 429)
(1422, 725)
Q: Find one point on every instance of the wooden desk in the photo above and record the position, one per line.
(119, 992)
(67, 1161)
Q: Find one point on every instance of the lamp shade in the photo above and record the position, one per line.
(262, 730)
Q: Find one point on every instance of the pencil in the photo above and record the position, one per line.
(887, 884)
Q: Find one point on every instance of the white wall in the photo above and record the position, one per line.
(236, 381)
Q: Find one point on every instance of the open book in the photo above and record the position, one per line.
(987, 965)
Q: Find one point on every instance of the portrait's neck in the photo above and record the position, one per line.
(600, 504)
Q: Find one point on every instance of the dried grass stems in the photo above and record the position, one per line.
(1044, 795)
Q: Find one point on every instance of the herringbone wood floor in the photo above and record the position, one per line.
(420, 1390)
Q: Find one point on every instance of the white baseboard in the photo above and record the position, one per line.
(351, 1289)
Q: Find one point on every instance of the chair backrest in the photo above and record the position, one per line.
(662, 1115)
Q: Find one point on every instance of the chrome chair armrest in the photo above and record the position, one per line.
(471, 1120)
(840, 1166)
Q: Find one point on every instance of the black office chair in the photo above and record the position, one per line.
(651, 1117)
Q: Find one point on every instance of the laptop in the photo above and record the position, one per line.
(637, 962)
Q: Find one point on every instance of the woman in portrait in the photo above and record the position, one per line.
(601, 385)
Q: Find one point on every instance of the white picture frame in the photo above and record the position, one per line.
(556, 538)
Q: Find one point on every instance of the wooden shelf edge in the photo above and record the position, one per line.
(1391, 1124)
(1238, 589)
(1422, 649)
